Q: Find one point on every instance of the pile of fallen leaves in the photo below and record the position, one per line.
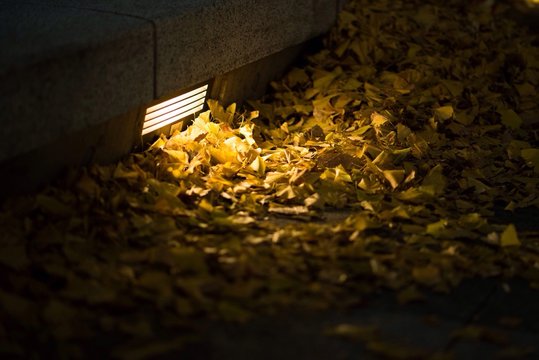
(381, 163)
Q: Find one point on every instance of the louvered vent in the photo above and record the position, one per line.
(173, 110)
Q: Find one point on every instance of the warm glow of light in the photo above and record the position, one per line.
(173, 110)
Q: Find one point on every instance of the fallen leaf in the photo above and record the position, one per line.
(509, 236)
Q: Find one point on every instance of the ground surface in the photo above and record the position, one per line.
(479, 319)
(379, 202)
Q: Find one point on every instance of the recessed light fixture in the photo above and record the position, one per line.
(174, 110)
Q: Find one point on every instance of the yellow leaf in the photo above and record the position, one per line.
(312, 200)
(510, 118)
(403, 132)
(436, 229)
(454, 87)
(231, 109)
(360, 222)
(337, 174)
(382, 159)
(258, 165)
(247, 131)
(324, 79)
(288, 210)
(444, 113)
(472, 221)
(413, 50)
(515, 147)
(297, 76)
(413, 195)
(394, 177)
(526, 89)
(219, 113)
(464, 118)
(531, 156)
(159, 143)
(378, 119)
(122, 172)
(509, 236)
(339, 51)
(205, 205)
(178, 155)
(164, 188)
(435, 182)
(224, 155)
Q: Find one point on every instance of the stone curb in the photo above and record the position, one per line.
(73, 65)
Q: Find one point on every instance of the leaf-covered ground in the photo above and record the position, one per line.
(379, 164)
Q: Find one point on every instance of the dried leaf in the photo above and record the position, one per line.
(510, 118)
(532, 157)
(509, 236)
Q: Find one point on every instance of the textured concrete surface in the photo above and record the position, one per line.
(199, 39)
(250, 81)
(429, 325)
(64, 70)
(73, 64)
(99, 143)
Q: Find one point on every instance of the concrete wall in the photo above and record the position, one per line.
(77, 73)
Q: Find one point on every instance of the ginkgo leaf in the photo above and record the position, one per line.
(434, 183)
(531, 156)
(510, 118)
(383, 160)
(509, 236)
(444, 113)
(395, 177)
(455, 87)
(258, 165)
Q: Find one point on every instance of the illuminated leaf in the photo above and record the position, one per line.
(337, 174)
(258, 165)
(436, 229)
(395, 177)
(444, 113)
(218, 111)
(509, 236)
(382, 162)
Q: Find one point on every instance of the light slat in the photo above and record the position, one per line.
(177, 105)
(173, 113)
(171, 120)
(175, 109)
(176, 99)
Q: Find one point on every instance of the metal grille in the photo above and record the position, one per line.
(175, 109)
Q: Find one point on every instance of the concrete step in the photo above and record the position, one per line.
(82, 71)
